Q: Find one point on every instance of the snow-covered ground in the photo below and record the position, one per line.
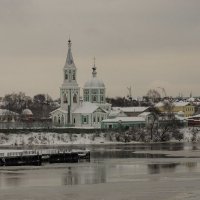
(35, 138)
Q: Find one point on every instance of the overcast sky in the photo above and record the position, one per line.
(140, 43)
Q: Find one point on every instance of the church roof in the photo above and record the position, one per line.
(69, 60)
(94, 82)
(86, 108)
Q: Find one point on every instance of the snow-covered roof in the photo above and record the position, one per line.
(131, 109)
(192, 99)
(59, 110)
(181, 103)
(125, 119)
(2, 103)
(144, 114)
(7, 112)
(86, 108)
(180, 118)
(180, 113)
(176, 104)
(115, 113)
(194, 116)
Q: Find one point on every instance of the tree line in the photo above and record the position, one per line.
(40, 104)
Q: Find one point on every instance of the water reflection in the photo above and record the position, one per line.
(109, 163)
(89, 175)
(158, 168)
(126, 151)
(11, 179)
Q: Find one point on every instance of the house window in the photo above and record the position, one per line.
(94, 119)
(85, 119)
(74, 120)
(98, 119)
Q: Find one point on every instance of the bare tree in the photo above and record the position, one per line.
(153, 95)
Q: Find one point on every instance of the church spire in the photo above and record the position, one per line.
(69, 60)
(94, 72)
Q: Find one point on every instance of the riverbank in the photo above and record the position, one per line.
(53, 138)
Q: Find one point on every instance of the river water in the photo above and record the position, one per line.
(126, 171)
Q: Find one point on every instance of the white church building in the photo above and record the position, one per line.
(75, 111)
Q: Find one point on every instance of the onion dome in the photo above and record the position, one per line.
(27, 112)
(94, 82)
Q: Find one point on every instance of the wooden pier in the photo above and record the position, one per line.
(38, 157)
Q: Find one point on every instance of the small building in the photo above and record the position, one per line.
(123, 123)
(8, 116)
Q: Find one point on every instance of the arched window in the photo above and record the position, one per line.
(65, 98)
(75, 98)
(55, 119)
(94, 98)
(70, 76)
(62, 119)
(66, 75)
(58, 120)
(73, 75)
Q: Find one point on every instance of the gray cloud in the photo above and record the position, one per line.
(142, 43)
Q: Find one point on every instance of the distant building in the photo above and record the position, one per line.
(8, 116)
(131, 111)
(194, 120)
(186, 108)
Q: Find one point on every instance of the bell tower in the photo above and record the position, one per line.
(69, 91)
